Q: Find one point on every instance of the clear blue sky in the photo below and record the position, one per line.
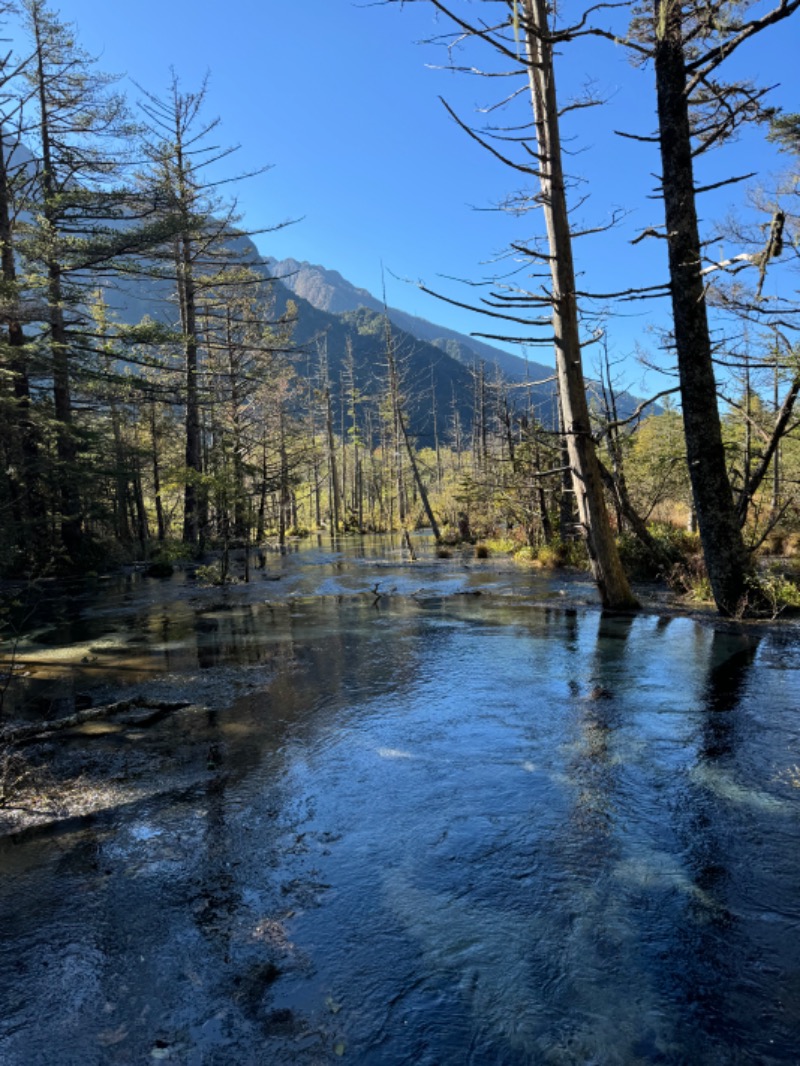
(338, 97)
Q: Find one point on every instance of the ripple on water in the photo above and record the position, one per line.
(422, 839)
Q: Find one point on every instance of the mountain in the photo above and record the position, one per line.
(432, 379)
(437, 363)
(435, 378)
(327, 290)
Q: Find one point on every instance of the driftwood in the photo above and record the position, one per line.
(409, 545)
(36, 730)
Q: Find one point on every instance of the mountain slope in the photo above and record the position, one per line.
(432, 379)
(329, 291)
(438, 363)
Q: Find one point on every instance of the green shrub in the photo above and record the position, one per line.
(673, 550)
(780, 590)
(210, 574)
(500, 545)
(573, 553)
(557, 554)
(548, 556)
(172, 551)
(700, 591)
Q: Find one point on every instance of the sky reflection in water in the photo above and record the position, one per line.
(455, 831)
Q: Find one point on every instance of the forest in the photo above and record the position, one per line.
(162, 399)
(367, 692)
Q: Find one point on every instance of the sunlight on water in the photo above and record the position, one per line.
(485, 953)
(722, 784)
(654, 871)
(429, 831)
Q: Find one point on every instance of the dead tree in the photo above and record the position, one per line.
(532, 53)
(687, 43)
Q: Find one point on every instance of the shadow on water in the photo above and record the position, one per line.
(425, 830)
(734, 826)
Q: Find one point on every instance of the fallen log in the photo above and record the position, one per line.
(38, 730)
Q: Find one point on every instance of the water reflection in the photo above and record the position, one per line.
(444, 830)
(730, 659)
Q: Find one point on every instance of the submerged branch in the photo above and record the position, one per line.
(37, 730)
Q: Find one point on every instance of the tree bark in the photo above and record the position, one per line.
(33, 516)
(66, 450)
(160, 520)
(333, 473)
(727, 560)
(770, 454)
(607, 569)
(193, 451)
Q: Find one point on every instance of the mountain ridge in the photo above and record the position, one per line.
(328, 290)
(323, 287)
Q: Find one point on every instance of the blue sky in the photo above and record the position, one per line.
(341, 100)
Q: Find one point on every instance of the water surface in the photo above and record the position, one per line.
(433, 829)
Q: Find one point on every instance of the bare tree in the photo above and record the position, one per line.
(525, 35)
(687, 43)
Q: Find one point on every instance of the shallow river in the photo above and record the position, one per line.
(429, 828)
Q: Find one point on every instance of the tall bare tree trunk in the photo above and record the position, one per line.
(335, 494)
(606, 566)
(726, 557)
(66, 449)
(193, 453)
(160, 519)
(27, 441)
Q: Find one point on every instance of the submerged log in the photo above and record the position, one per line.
(37, 730)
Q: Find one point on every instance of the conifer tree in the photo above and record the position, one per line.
(81, 219)
(203, 242)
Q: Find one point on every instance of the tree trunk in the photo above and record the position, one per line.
(27, 442)
(193, 453)
(262, 496)
(607, 569)
(283, 499)
(335, 495)
(123, 530)
(66, 449)
(423, 492)
(726, 557)
(160, 520)
(544, 516)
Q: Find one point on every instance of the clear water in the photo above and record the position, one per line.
(439, 830)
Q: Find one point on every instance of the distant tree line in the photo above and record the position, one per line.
(207, 424)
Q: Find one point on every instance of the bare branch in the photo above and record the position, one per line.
(515, 340)
(655, 290)
(649, 232)
(498, 155)
(634, 417)
(778, 432)
(712, 59)
(473, 307)
(636, 137)
(727, 181)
